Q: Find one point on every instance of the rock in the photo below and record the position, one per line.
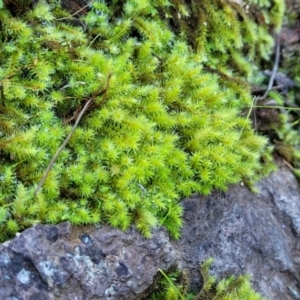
(61, 262)
(281, 79)
(258, 234)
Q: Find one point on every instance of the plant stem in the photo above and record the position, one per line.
(61, 148)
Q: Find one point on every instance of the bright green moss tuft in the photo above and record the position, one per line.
(164, 120)
(175, 286)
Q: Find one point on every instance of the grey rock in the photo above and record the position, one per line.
(258, 234)
(61, 262)
(281, 79)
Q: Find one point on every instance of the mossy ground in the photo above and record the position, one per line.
(166, 84)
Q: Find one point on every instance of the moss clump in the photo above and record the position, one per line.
(163, 119)
(174, 286)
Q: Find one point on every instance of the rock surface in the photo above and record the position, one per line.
(244, 232)
(258, 234)
(64, 263)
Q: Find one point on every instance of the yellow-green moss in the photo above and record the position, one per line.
(165, 119)
(175, 286)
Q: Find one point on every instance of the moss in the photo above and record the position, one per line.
(175, 286)
(164, 118)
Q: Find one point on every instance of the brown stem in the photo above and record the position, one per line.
(61, 148)
(274, 70)
(77, 12)
(95, 94)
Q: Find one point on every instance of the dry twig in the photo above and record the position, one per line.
(77, 12)
(271, 81)
(61, 148)
(274, 70)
